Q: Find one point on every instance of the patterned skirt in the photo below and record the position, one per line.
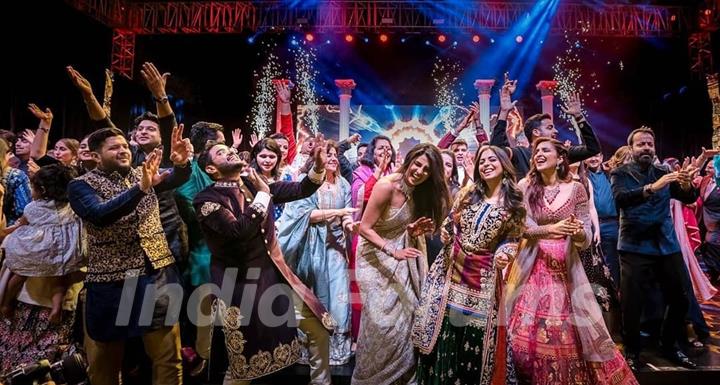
(598, 274)
(544, 341)
(29, 336)
(456, 358)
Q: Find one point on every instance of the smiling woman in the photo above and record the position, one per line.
(391, 263)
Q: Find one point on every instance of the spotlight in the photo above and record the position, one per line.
(476, 38)
(383, 38)
(309, 37)
(251, 40)
(367, 40)
(441, 38)
(327, 41)
(349, 38)
(454, 44)
(427, 42)
(519, 39)
(708, 12)
(492, 41)
(673, 17)
(403, 40)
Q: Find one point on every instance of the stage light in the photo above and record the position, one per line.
(349, 38)
(455, 44)
(383, 38)
(441, 38)
(519, 39)
(673, 17)
(492, 41)
(476, 38)
(251, 40)
(427, 42)
(309, 37)
(708, 12)
(327, 41)
(403, 40)
(367, 40)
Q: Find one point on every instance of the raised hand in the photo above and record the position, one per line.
(708, 154)
(257, 181)
(80, 82)
(506, 102)
(180, 149)
(469, 163)
(320, 153)
(385, 159)
(150, 167)
(253, 139)
(107, 94)
(421, 226)
(573, 106)
(28, 134)
(283, 91)
(154, 80)
(45, 117)
(237, 138)
(509, 85)
(664, 181)
(354, 138)
(32, 167)
(444, 236)
(475, 107)
(466, 120)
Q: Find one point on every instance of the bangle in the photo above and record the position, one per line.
(163, 99)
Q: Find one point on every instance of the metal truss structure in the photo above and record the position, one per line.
(192, 17)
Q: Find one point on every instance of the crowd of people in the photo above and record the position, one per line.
(512, 264)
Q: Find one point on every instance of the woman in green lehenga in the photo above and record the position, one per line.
(455, 325)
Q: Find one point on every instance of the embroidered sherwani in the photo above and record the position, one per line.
(258, 320)
(455, 326)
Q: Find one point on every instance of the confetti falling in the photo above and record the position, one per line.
(568, 70)
(263, 108)
(448, 91)
(306, 74)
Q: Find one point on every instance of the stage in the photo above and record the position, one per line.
(657, 370)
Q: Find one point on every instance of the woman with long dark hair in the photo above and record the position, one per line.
(391, 264)
(456, 324)
(555, 327)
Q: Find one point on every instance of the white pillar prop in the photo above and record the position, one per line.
(345, 87)
(484, 86)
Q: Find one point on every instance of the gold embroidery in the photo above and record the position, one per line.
(261, 363)
(209, 208)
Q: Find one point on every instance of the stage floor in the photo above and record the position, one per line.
(657, 371)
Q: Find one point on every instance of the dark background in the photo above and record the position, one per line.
(213, 76)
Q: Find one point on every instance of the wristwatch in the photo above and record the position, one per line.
(161, 100)
(648, 189)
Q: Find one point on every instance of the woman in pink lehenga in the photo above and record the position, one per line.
(555, 325)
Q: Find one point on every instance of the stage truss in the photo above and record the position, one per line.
(176, 17)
